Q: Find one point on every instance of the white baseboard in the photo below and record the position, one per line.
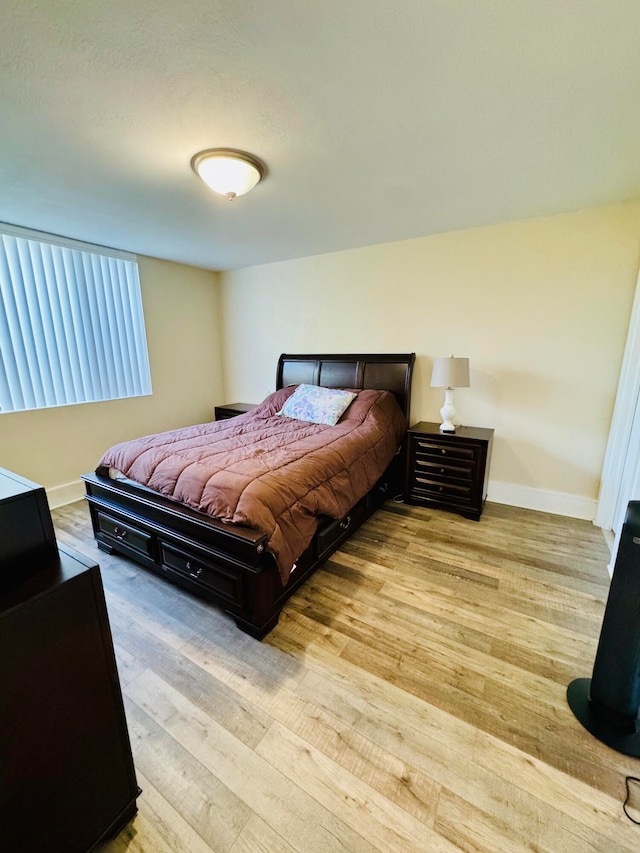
(544, 500)
(66, 494)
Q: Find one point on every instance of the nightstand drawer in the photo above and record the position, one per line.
(424, 486)
(450, 469)
(450, 451)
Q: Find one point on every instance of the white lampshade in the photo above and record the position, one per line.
(228, 172)
(450, 373)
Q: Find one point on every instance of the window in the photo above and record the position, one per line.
(71, 323)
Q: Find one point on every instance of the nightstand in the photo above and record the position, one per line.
(230, 410)
(448, 470)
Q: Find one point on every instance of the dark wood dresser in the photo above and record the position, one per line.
(67, 779)
(448, 470)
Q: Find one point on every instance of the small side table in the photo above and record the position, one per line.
(231, 410)
(448, 470)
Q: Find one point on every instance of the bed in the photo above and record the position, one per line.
(230, 564)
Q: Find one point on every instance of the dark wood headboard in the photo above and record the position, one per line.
(385, 371)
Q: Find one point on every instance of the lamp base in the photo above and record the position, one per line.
(448, 412)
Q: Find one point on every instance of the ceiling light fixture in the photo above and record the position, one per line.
(228, 172)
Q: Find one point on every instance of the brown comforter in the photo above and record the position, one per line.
(270, 472)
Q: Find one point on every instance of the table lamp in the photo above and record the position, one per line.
(449, 373)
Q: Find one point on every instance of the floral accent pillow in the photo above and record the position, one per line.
(317, 405)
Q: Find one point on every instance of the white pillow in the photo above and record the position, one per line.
(317, 405)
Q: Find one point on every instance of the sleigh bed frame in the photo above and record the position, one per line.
(226, 563)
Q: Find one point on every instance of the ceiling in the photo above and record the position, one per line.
(377, 121)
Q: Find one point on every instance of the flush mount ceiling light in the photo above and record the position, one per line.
(228, 172)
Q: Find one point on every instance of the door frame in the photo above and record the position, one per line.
(622, 423)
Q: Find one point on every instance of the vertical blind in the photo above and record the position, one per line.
(71, 324)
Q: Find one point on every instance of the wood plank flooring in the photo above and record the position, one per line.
(412, 697)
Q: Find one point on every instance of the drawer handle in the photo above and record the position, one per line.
(345, 524)
(196, 574)
(120, 533)
(383, 488)
(443, 451)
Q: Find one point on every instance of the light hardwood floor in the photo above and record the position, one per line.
(412, 697)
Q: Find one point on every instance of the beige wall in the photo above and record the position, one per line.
(540, 307)
(181, 308)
